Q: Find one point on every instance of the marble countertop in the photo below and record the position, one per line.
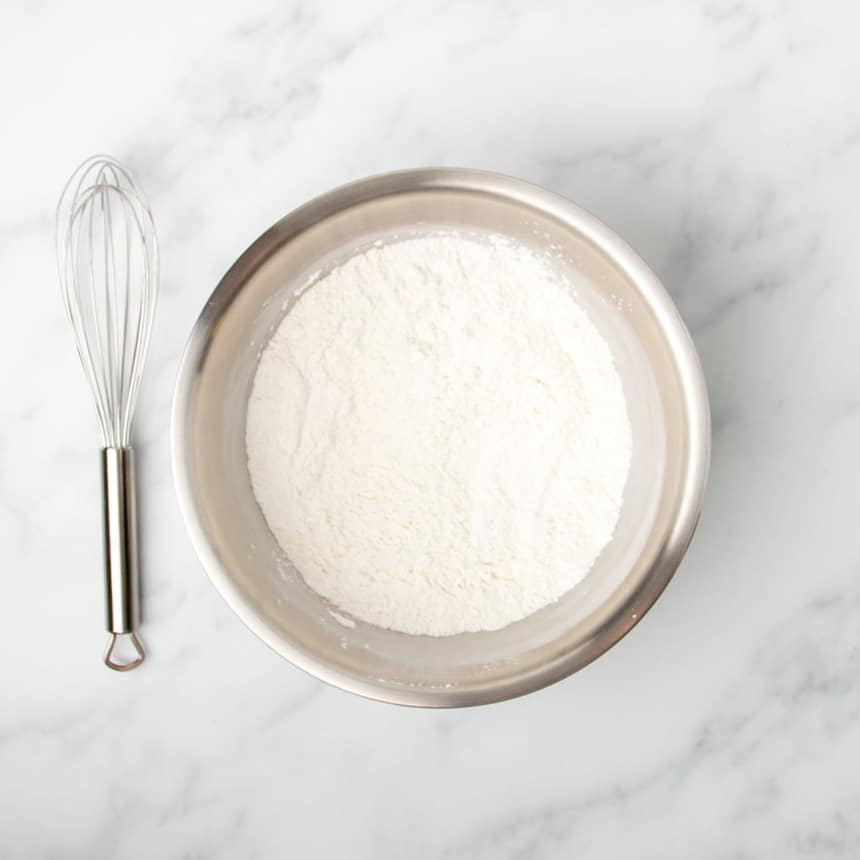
(722, 140)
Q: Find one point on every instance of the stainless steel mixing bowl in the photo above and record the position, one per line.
(668, 410)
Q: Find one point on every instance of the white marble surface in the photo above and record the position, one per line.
(722, 139)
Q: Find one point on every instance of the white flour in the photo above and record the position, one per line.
(438, 437)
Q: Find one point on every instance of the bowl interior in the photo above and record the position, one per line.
(229, 530)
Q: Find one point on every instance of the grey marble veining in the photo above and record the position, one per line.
(722, 140)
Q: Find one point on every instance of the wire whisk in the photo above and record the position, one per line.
(107, 259)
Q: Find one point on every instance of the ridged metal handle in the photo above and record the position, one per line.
(120, 553)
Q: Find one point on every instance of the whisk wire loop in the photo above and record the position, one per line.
(107, 256)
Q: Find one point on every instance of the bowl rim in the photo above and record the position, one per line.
(696, 410)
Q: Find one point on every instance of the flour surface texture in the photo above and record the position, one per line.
(437, 436)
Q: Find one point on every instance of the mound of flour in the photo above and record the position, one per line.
(437, 436)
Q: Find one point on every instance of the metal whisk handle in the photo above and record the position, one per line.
(120, 553)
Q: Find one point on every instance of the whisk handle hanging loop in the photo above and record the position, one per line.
(120, 553)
